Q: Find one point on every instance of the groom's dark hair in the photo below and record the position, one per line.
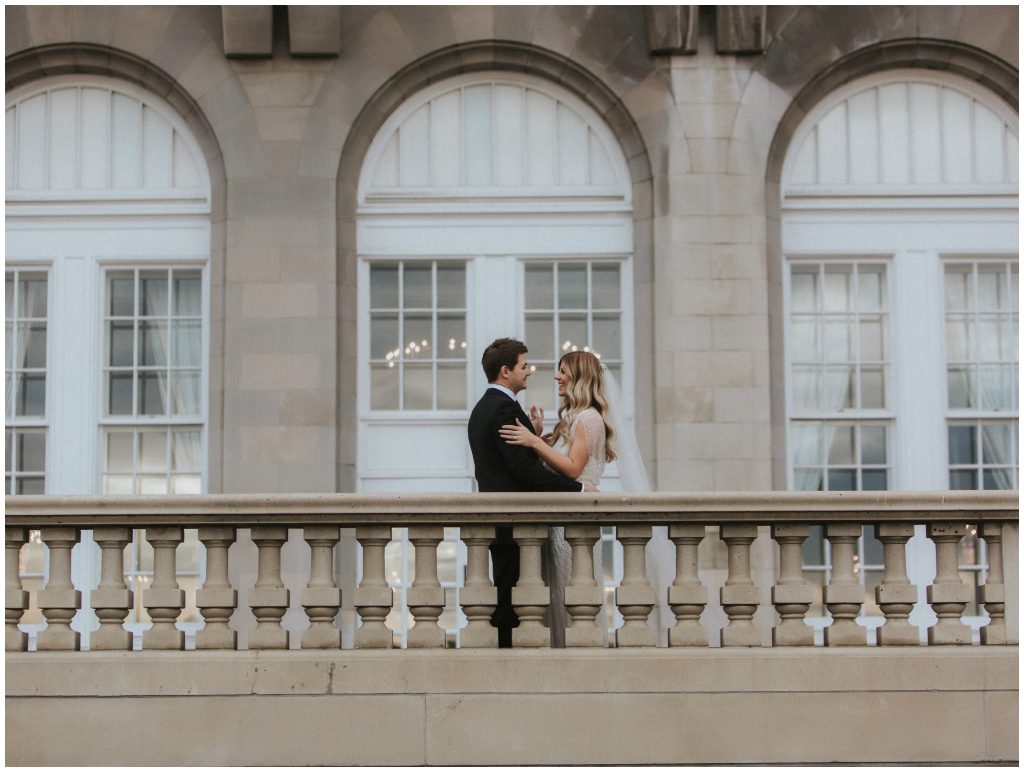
(504, 352)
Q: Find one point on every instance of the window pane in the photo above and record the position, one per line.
(992, 289)
(117, 485)
(814, 547)
(838, 341)
(806, 388)
(958, 338)
(31, 395)
(998, 479)
(606, 337)
(31, 345)
(153, 344)
(122, 341)
(187, 344)
(842, 480)
(32, 303)
(152, 392)
(185, 393)
(808, 479)
(874, 480)
(807, 444)
(152, 451)
(872, 445)
(871, 340)
(30, 486)
(840, 445)
(188, 291)
(872, 384)
(957, 283)
(804, 290)
(31, 451)
(870, 289)
(9, 346)
(119, 452)
(384, 286)
(417, 286)
(572, 286)
(451, 286)
(838, 388)
(152, 485)
(997, 387)
(958, 381)
(120, 394)
(384, 386)
(873, 553)
(540, 337)
(963, 480)
(451, 337)
(8, 450)
(451, 387)
(185, 450)
(384, 336)
(573, 332)
(417, 336)
(837, 289)
(604, 279)
(539, 287)
(962, 449)
(418, 386)
(997, 444)
(122, 293)
(805, 340)
(9, 295)
(186, 484)
(153, 293)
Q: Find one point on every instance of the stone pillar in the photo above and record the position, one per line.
(321, 598)
(426, 596)
(844, 594)
(895, 595)
(635, 596)
(217, 599)
(791, 595)
(687, 596)
(739, 596)
(993, 592)
(269, 598)
(373, 597)
(59, 600)
(583, 596)
(164, 599)
(16, 598)
(530, 596)
(948, 595)
(112, 600)
(478, 597)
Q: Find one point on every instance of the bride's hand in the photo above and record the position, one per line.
(537, 418)
(518, 435)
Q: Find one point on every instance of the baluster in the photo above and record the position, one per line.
(530, 596)
(16, 597)
(993, 592)
(792, 595)
(373, 597)
(217, 599)
(426, 596)
(478, 597)
(635, 596)
(269, 598)
(895, 595)
(844, 594)
(583, 597)
(322, 597)
(59, 600)
(112, 600)
(948, 594)
(687, 596)
(739, 596)
(164, 599)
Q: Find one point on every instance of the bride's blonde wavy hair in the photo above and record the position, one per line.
(585, 390)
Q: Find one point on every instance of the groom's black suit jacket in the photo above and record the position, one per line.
(504, 467)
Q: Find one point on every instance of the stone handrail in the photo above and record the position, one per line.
(736, 516)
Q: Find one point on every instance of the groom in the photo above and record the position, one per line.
(501, 467)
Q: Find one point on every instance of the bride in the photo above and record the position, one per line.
(589, 433)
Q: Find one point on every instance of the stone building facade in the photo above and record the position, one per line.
(704, 104)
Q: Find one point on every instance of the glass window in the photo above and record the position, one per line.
(25, 318)
(571, 306)
(418, 336)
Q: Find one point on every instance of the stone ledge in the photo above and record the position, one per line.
(573, 671)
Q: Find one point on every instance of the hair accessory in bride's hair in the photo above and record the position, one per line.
(604, 367)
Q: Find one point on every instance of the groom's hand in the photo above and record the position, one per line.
(588, 488)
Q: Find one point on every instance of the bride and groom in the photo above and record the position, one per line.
(510, 454)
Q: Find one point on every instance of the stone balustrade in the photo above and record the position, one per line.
(738, 520)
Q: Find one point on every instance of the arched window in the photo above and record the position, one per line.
(899, 229)
(489, 205)
(108, 243)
